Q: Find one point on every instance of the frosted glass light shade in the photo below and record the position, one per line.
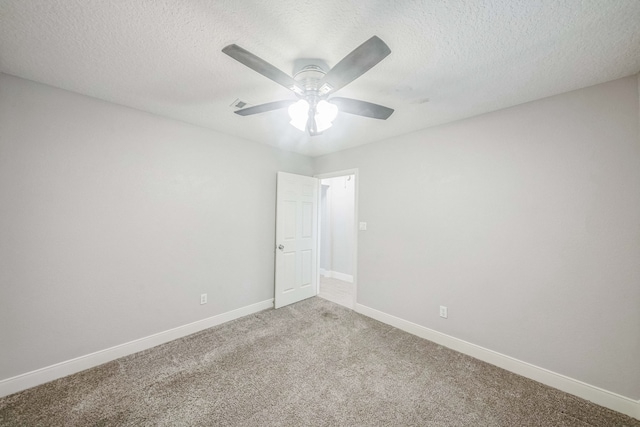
(327, 110)
(325, 114)
(299, 113)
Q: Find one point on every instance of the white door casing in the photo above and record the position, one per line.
(296, 238)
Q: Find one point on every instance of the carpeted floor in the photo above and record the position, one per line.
(313, 363)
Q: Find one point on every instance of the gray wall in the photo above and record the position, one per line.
(114, 221)
(325, 226)
(524, 222)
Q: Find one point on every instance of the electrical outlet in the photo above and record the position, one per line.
(443, 311)
(203, 299)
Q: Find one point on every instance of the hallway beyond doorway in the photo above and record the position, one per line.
(337, 291)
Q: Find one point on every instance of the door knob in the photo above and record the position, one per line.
(281, 247)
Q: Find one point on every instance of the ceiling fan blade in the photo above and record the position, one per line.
(263, 67)
(263, 108)
(355, 64)
(362, 108)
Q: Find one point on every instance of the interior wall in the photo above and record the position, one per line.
(523, 222)
(114, 221)
(325, 227)
(337, 236)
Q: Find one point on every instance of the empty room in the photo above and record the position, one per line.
(339, 213)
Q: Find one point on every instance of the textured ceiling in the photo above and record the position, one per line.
(449, 60)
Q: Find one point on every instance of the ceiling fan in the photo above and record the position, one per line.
(313, 84)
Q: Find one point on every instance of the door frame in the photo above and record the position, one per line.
(354, 253)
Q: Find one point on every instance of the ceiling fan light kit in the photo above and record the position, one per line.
(301, 111)
(326, 113)
(315, 110)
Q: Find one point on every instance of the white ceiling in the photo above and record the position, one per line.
(449, 60)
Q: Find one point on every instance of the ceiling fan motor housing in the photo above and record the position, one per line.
(309, 73)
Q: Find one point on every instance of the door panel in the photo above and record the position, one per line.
(307, 257)
(307, 220)
(296, 238)
(289, 222)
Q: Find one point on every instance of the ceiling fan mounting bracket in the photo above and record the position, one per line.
(309, 64)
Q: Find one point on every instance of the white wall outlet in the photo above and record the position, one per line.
(443, 311)
(362, 226)
(203, 299)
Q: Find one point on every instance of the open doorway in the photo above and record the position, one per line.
(337, 237)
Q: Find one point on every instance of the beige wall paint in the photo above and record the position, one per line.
(114, 221)
(524, 222)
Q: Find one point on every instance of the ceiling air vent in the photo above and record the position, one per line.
(238, 103)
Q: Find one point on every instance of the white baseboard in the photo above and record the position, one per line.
(68, 367)
(342, 276)
(337, 275)
(586, 391)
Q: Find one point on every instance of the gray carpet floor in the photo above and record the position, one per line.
(313, 363)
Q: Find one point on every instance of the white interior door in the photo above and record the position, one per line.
(296, 238)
